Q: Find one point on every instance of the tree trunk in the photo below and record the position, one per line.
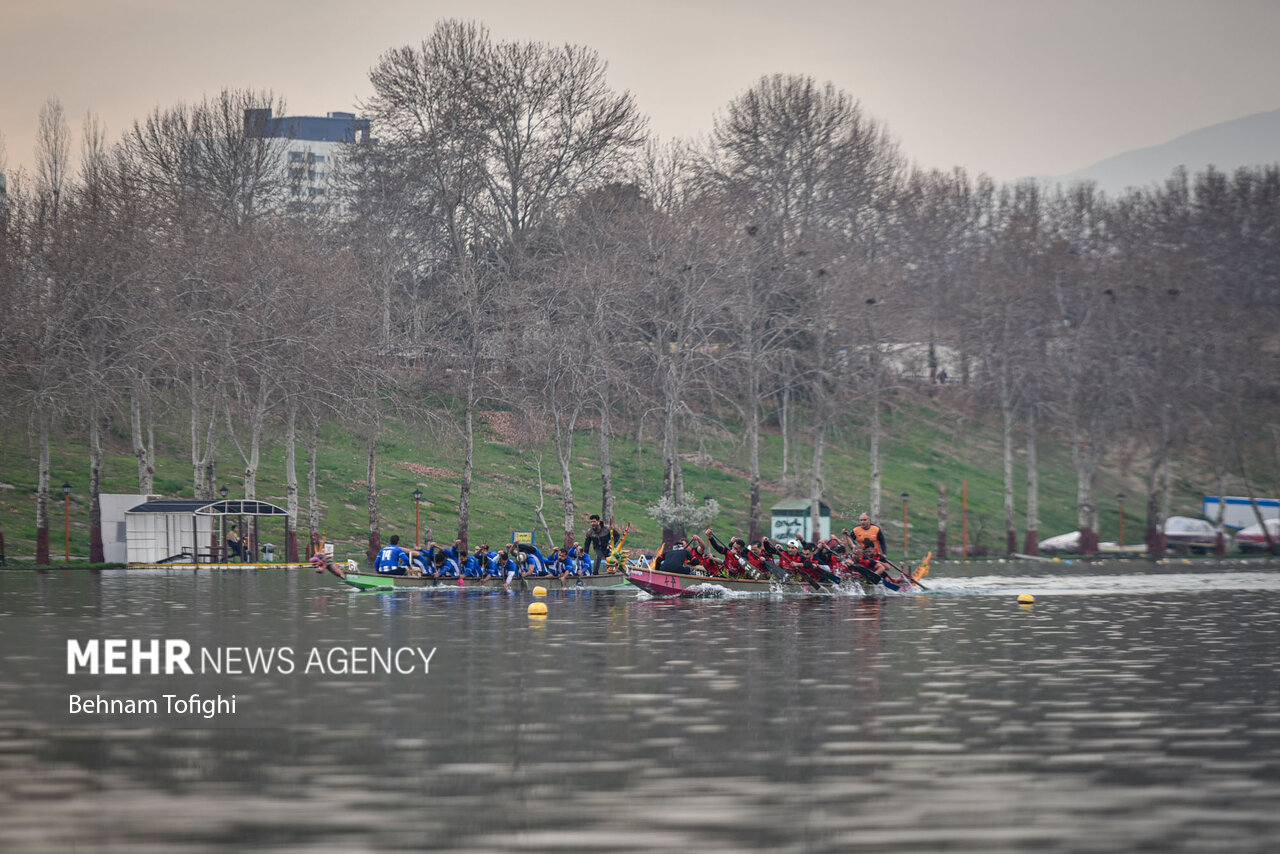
(291, 482)
(1086, 512)
(375, 524)
(1220, 528)
(755, 512)
(313, 498)
(143, 435)
(784, 422)
(815, 481)
(606, 461)
(42, 496)
(1031, 545)
(1155, 528)
(672, 476)
(468, 464)
(96, 552)
(564, 453)
(874, 505)
(1010, 529)
(942, 522)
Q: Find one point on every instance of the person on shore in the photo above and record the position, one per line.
(234, 546)
(392, 559)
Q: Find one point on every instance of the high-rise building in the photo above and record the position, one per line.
(311, 145)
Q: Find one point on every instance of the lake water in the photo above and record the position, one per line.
(1131, 708)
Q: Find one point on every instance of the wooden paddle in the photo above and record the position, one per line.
(905, 575)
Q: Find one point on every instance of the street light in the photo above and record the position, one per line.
(223, 492)
(1120, 504)
(906, 528)
(417, 517)
(66, 517)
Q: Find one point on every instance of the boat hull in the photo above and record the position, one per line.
(380, 583)
(660, 583)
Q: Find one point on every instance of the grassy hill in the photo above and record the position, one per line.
(926, 442)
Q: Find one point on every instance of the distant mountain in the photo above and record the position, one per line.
(1250, 141)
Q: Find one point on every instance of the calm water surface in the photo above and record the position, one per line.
(1132, 708)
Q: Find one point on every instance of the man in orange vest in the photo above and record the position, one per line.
(869, 537)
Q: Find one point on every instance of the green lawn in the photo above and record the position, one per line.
(924, 444)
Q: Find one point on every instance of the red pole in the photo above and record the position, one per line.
(417, 524)
(906, 529)
(66, 518)
(964, 518)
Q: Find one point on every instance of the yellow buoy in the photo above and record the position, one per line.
(538, 609)
(539, 591)
(1026, 599)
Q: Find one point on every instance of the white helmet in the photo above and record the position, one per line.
(793, 544)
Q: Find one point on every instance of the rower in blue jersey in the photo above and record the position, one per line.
(557, 564)
(474, 565)
(580, 560)
(441, 562)
(392, 559)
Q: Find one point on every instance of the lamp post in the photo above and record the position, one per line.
(219, 547)
(1120, 504)
(66, 518)
(906, 528)
(417, 518)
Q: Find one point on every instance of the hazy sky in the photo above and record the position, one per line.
(1007, 87)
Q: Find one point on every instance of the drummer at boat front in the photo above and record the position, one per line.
(392, 559)
(867, 533)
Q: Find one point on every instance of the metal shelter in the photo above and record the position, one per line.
(187, 530)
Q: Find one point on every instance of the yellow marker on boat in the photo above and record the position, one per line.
(538, 609)
(540, 591)
(1026, 599)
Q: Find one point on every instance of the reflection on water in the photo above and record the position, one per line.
(1125, 711)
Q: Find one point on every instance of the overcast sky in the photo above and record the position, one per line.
(1006, 87)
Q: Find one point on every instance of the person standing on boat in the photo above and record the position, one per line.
(391, 559)
(600, 538)
(866, 533)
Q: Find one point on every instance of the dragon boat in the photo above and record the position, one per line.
(378, 582)
(661, 583)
